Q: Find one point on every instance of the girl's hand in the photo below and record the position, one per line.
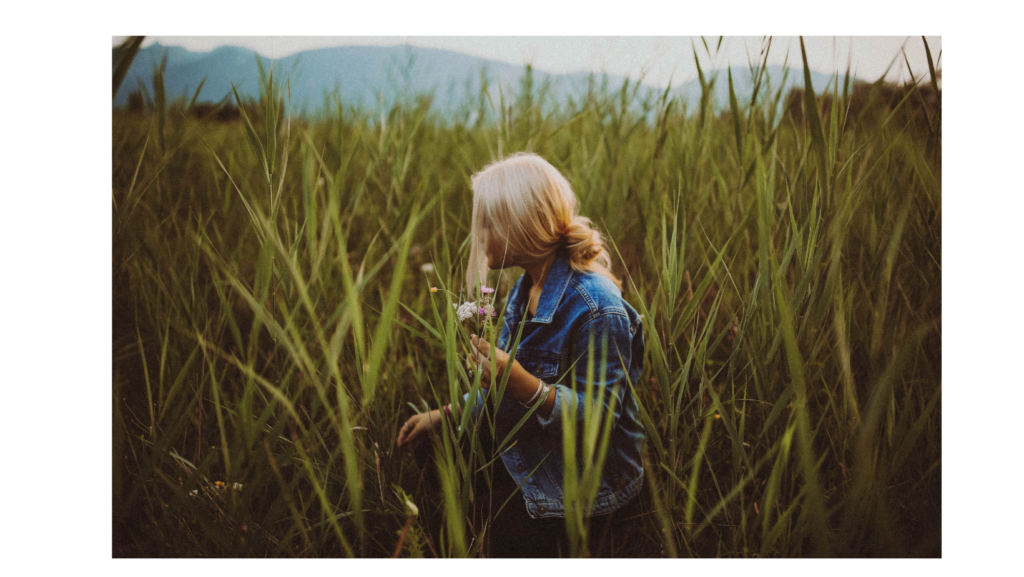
(481, 357)
(417, 428)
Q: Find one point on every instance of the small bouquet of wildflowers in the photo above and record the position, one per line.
(479, 313)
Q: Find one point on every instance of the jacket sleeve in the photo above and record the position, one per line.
(608, 337)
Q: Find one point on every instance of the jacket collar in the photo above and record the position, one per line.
(554, 287)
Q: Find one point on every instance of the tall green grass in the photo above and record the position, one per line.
(273, 324)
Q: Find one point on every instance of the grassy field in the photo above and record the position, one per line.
(274, 325)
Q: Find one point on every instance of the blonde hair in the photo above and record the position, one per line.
(527, 203)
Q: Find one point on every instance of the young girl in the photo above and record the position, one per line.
(524, 214)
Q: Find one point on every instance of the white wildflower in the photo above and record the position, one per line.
(194, 493)
(427, 267)
(237, 486)
(465, 310)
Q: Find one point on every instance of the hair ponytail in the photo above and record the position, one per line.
(529, 205)
(583, 243)
(586, 249)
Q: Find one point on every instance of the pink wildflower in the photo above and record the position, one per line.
(486, 290)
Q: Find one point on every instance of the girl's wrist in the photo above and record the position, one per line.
(536, 394)
(526, 384)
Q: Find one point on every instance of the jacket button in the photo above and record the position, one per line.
(520, 468)
(542, 509)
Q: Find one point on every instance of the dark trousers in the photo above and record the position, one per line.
(626, 532)
(515, 534)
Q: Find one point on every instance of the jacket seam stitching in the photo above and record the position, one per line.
(584, 294)
(593, 317)
(598, 501)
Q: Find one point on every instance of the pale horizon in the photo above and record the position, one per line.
(655, 60)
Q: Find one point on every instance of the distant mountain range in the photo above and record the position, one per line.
(366, 76)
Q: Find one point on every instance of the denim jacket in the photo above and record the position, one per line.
(573, 306)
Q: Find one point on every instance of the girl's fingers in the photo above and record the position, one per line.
(480, 344)
(411, 437)
(407, 433)
(485, 350)
(479, 358)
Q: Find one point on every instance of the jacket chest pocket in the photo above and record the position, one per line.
(539, 363)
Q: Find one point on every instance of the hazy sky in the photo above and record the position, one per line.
(658, 59)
